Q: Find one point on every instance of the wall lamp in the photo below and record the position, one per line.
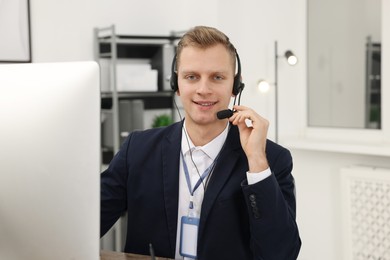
(264, 85)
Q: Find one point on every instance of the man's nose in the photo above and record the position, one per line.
(204, 86)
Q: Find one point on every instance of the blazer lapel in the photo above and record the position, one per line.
(170, 158)
(223, 169)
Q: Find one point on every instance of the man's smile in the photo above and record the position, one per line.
(205, 103)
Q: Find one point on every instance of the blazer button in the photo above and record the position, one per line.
(252, 197)
(255, 212)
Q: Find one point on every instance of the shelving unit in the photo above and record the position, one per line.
(110, 49)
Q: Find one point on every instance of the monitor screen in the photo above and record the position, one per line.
(50, 161)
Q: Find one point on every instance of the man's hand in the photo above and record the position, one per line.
(253, 138)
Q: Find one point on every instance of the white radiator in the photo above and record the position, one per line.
(366, 213)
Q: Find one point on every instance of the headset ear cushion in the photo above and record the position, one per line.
(237, 85)
(173, 81)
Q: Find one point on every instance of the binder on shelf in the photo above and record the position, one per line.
(130, 117)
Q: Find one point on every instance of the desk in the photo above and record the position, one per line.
(110, 255)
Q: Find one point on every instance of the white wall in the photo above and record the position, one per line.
(62, 31)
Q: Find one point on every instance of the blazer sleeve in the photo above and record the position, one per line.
(272, 209)
(113, 190)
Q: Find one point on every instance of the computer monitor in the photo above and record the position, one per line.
(49, 161)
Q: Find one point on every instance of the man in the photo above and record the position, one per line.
(204, 188)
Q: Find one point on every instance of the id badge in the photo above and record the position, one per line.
(189, 236)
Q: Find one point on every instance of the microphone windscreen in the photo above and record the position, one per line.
(224, 114)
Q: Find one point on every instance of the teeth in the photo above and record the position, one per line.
(205, 104)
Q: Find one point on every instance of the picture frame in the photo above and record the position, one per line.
(15, 44)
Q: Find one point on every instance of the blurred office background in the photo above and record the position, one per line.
(341, 170)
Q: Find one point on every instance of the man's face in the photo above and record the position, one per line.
(205, 79)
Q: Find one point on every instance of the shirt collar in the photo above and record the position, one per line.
(212, 148)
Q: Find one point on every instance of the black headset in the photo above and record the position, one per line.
(238, 86)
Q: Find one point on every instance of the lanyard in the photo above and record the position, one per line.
(200, 180)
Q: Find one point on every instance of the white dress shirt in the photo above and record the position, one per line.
(202, 158)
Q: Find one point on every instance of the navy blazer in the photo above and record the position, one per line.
(238, 221)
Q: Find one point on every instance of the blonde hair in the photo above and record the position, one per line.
(205, 37)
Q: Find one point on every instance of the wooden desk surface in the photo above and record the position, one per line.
(110, 255)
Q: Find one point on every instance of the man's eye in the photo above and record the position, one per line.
(191, 77)
(218, 77)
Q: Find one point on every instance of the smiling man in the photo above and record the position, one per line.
(204, 188)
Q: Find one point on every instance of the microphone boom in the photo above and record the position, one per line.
(224, 114)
